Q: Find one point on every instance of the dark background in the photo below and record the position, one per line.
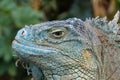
(14, 14)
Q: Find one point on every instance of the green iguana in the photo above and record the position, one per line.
(71, 49)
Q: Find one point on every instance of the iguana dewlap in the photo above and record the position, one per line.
(71, 49)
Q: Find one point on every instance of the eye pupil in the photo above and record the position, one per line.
(58, 33)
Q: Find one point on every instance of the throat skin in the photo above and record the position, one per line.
(73, 74)
(36, 72)
(69, 72)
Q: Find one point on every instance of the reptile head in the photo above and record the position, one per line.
(58, 48)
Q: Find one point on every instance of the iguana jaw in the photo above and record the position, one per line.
(39, 56)
(32, 49)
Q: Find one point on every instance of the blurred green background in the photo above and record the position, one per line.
(15, 14)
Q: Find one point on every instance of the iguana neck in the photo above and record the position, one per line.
(107, 52)
(35, 72)
(75, 72)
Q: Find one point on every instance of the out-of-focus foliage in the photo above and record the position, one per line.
(105, 8)
(14, 14)
(62, 9)
(12, 17)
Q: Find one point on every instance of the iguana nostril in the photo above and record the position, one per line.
(23, 33)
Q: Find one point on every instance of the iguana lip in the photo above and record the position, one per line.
(32, 49)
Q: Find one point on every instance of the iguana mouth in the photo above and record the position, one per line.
(32, 49)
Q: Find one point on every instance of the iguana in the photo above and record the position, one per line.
(71, 49)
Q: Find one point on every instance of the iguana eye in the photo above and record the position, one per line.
(58, 33)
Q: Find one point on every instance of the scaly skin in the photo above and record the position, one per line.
(71, 49)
